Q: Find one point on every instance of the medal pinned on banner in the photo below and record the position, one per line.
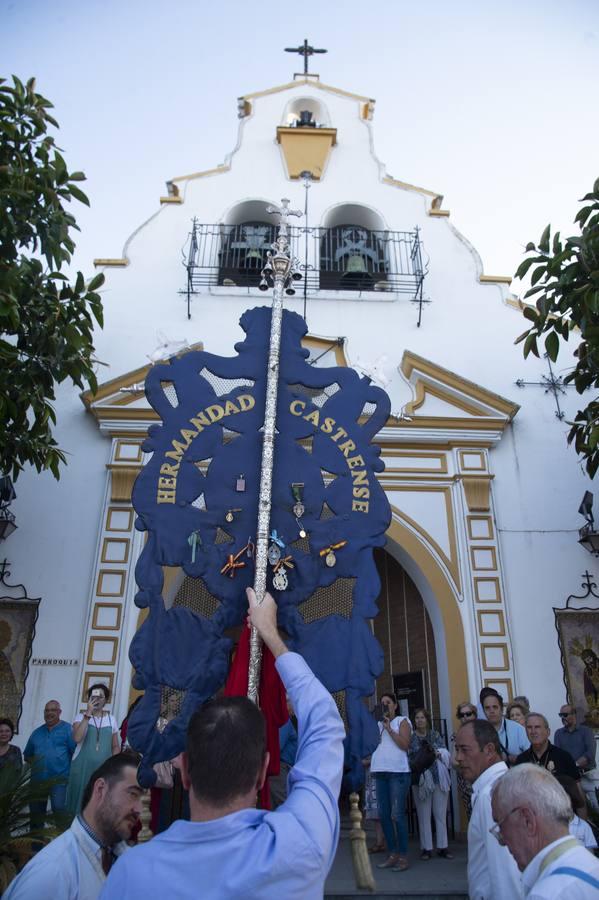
(280, 581)
(274, 551)
(297, 489)
(330, 557)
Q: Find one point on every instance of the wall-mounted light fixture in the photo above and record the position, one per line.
(7, 519)
(588, 534)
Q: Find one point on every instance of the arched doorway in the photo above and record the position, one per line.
(404, 630)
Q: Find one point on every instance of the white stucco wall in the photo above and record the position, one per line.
(467, 327)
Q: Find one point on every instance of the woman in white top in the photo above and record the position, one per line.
(391, 769)
(96, 734)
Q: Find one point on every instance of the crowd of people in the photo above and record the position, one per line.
(528, 832)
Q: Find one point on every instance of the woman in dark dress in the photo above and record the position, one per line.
(10, 755)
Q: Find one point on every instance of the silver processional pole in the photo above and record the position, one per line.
(279, 271)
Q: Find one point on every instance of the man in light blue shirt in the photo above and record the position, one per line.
(49, 751)
(229, 849)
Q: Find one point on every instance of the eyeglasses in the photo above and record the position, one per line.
(466, 715)
(565, 715)
(495, 830)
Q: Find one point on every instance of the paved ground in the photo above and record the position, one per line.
(441, 878)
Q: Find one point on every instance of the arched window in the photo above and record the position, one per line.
(243, 253)
(306, 112)
(353, 249)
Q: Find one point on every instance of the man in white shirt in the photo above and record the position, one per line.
(74, 866)
(492, 872)
(532, 814)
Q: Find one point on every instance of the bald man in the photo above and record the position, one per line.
(49, 751)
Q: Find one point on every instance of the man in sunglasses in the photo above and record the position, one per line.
(577, 740)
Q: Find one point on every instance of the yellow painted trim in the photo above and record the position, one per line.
(317, 84)
(480, 537)
(312, 342)
(477, 490)
(492, 567)
(423, 388)
(217, 170)
(483, 464)
(115, 540)
(102, 639)
(481, 613)
(127, 459)
(452, 561)
(422, 456)
(175, 199)
(89, 677)
(495, 279)
(306, 149)
(119, 614)
(395, 182)
(411, 362)
(444, 594)
(118, 509)
(506, 692)
(493, 578)
(134, 377)
(100, 583)
(121, 262)
(439, 213)
(506, 659)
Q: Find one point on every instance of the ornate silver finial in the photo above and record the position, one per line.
(279, 272)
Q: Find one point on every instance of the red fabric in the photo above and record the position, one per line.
(273, 701)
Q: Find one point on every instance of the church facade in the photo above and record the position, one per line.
(484, 491)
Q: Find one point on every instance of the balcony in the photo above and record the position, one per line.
(343, 258)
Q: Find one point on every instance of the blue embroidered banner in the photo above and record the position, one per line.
(197, 498)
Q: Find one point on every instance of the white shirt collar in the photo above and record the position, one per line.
(488, 776)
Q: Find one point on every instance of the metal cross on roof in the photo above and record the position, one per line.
(304, 50)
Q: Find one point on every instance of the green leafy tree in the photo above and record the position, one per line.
(565, 284)
(46, 323)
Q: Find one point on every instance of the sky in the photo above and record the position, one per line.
(494, 105)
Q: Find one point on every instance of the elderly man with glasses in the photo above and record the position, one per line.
(492, 872)
(532, 813)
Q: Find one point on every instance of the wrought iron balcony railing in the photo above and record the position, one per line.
(343, 258)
